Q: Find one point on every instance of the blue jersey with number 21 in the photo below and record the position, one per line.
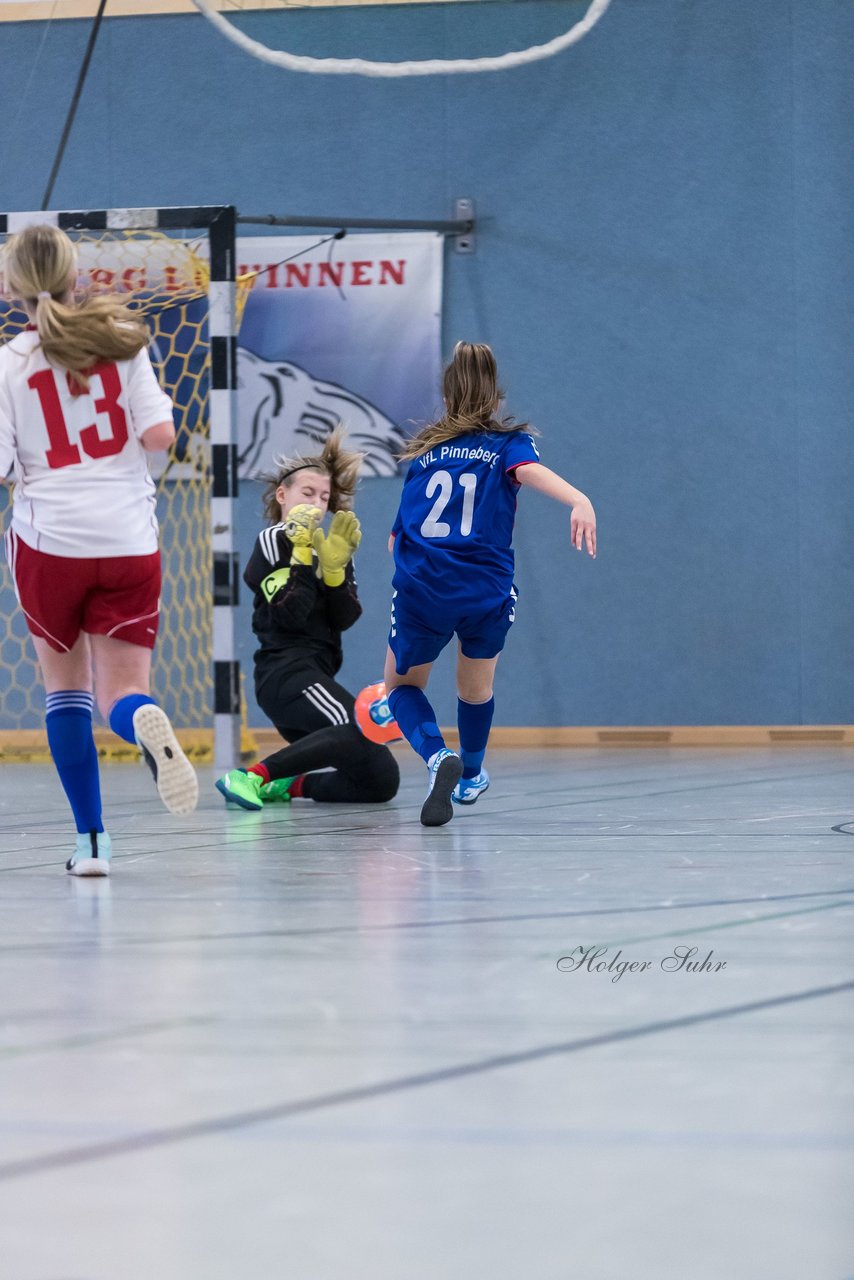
(454, 529)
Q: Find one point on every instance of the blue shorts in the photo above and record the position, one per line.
(415, 639)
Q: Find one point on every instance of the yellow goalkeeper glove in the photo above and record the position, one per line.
(299, 525)
(337, 548)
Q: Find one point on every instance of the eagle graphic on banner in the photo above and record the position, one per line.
(282, 409)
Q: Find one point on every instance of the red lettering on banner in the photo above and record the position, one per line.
(299, 272)
(171, 283)
(328, 271)
(133, 278)
(101, 277)
(319, 275)
(388, 269)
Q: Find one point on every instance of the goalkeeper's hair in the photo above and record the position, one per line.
(341, 465)
(472, 398)
(41, 270)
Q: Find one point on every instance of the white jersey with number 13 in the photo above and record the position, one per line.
(82, 485)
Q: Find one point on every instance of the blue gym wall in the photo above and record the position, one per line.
(664, 268)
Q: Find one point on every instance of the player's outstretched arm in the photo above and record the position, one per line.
(583, 520)
(158, 437)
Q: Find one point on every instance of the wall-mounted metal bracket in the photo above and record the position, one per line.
(466, 241)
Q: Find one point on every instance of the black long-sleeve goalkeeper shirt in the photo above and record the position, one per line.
(296, 618)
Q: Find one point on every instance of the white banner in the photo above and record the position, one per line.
(348, 332)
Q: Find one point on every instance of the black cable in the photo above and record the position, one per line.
(339, 235)
(72, 110)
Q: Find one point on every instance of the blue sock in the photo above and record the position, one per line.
(417, 720)
(474, 720)
(121, 714)
(69, 735)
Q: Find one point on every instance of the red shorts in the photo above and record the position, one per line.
(114, 596)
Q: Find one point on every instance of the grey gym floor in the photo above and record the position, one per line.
(327, 1044)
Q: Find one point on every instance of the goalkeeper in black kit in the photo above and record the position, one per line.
(305, 596)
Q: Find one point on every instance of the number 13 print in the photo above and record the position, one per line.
(62, 453)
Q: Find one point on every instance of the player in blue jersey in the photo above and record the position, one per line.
(454, 568)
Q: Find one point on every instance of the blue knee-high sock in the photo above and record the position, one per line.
(69, 735)
(417, 720)
(474, 720)
(121, 714)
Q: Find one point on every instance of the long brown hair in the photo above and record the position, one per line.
(341, 466)
(41, 266)
(472, 396)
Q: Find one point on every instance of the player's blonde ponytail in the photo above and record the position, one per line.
(41, 269)
(472, 398)
(334, 460)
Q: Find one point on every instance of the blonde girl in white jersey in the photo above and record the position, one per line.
(79, 407)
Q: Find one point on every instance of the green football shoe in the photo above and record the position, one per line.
(277, 791)
(242, 788)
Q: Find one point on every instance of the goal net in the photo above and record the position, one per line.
(164, 270)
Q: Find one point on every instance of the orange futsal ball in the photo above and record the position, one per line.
(373, 716)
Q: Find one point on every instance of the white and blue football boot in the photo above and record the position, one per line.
(467, 790)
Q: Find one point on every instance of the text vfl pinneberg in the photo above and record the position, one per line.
(681, 959)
